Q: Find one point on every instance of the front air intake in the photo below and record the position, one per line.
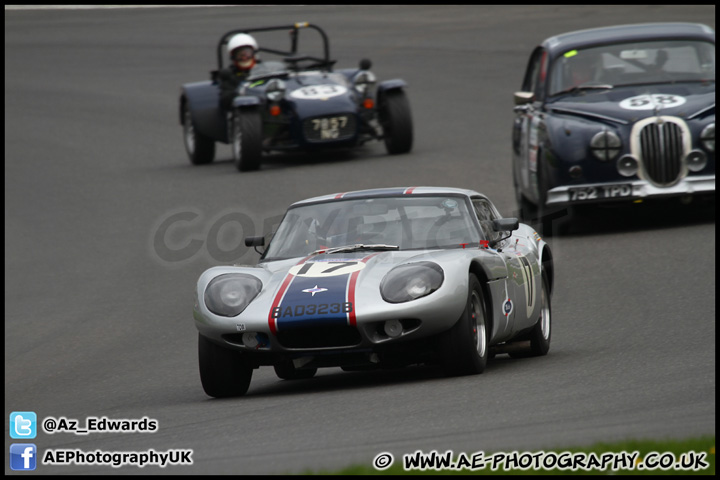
(662, 143)
(319, 337)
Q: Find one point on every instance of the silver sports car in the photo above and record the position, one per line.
(377, 278)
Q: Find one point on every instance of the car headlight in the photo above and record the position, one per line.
(364, 81)
(707, 137)
(228, 295)
(605, 145)
(275, 90)
(411, 281)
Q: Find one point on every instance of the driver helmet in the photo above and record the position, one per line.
(242, 48)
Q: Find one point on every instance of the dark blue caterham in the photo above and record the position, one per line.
(295, 103)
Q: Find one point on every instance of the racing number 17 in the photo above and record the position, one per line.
(306, 267)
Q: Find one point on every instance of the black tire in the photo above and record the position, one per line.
(246, 140)
(541, 333)
(396, 122)
(553, 220)
(287, 371)
(200, 149)
(465, 347)
(527, 211)
(223, 372)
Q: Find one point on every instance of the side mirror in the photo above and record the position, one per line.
(365, 64)
(255, 242)
(505, 224)
(523, 98)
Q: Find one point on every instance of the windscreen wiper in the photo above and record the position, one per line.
(580, 88)
(356, 247)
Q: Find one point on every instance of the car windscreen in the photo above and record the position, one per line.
(634, 63)
(408, 222)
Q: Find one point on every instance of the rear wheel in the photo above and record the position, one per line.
(541, 333)
(223, 372)
(200, 149)
(287, 371)
(247, 140)
(464, 348)
(396, 122)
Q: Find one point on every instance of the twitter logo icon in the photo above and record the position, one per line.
(23, 425)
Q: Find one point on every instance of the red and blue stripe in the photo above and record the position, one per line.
(293, 307)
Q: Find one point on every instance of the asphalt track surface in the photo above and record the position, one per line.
(98, 315)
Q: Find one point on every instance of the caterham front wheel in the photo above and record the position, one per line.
(396, 122)
(247, 140)
(200, 149)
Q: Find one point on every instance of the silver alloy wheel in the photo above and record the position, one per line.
(189, 132)
(545, 315)
(478, 323)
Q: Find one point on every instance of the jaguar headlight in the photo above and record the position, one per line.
(228, 295)
(605, 145)
(364, 81)
(707, 137)
(275, 90)
(411, 281)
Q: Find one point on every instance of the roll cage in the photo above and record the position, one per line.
(291, 56)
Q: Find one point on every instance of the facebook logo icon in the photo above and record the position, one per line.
(23, 456)
(23, 425)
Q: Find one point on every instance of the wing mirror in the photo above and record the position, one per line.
(523, 98)
(255, 242)
(504, 225)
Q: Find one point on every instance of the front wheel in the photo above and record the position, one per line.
(527, 212)
(396, 122)
(200, 149)
(464, 348)
(223, 372)
(247, 140)
(553, 220)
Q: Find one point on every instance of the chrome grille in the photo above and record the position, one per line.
(330, 128)
(661, 150)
